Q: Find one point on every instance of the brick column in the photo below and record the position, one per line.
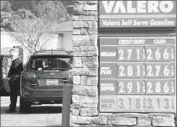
(85, 92)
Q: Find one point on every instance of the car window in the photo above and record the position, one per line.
(50, 63)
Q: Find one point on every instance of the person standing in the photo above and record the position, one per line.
(14, 79)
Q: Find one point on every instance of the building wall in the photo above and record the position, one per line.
(53, 42)
(7, 40)
(67, 41)
(85, 97)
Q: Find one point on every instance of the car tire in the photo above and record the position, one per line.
(25, 106)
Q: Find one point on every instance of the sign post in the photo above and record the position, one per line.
(66, 105)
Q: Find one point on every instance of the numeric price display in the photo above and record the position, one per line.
(130, 70)
(148, 86)
(137, 74)
(160, 87)
(130, 54)
(130, 87)
(164, 70)
(159, 53)
(151, 103)
(136, 103)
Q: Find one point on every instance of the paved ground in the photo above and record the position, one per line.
(43, 115)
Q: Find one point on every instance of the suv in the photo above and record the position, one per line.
(43, 78)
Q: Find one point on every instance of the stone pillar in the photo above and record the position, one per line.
(1, 70)
(84, 109)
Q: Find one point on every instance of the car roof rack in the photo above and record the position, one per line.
(52, 52)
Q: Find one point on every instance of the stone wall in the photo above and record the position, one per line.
(84, 109)
(85, 69)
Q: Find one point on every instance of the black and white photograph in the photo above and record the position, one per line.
(88, 63)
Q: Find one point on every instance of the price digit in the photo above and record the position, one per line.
(166, 71)
(157, 54)
(121, 52)
(149, 87)
(121, 86)
(138, 105)
(121, 106)
(149, 54)
(149, 101)
(166, 104)
(121, 68)
(129, 53)
(138, 54)
(138, 87)
(149, 70)
(157, 67)
(166, 54)
(138, 70)
(129, 86)
(130, 103)
(166, 87)
(130, 70)
(158, 101)
(157, 87)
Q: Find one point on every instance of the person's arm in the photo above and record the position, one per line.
(10, 72)
(21, 67)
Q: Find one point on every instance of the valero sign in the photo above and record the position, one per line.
(137, 14)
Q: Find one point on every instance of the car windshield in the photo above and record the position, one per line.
(50, 63)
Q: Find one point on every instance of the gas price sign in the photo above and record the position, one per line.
(137, 74)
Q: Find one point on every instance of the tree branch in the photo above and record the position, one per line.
(44, 43)
(37, 41)
(32, 29)
(21, 42)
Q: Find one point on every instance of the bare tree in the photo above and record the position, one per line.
(29, 30)
(32, 31)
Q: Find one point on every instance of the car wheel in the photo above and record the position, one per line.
(25, 106)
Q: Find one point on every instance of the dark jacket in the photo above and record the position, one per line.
(15, 71)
